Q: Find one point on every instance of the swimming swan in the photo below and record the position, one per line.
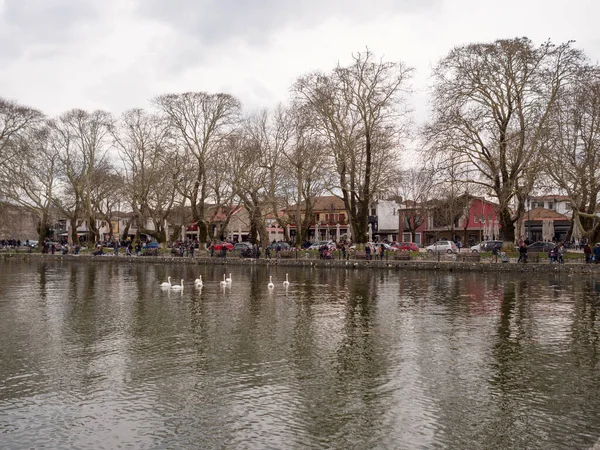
(166, 283)
(270, 285)
(178, 287)
(224, 283)
(198, 281)
(286, 283)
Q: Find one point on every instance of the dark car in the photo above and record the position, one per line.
(282, 246)
(240, 246)
(486, 246)
(538, 247)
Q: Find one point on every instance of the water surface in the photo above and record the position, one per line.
(97, 355)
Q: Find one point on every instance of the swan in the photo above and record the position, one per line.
(166, 283)
(270, 285)
(224, 283)
(198, 281)
(178, 287)
(286, 283)
(228, 280)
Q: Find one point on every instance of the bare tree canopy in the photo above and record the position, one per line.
(491, 110)
(359, 112)
(572, 151)
(82, 140)
(201, 122)
(146, 148)
(14, 121)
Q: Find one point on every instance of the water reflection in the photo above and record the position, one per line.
(97, 355)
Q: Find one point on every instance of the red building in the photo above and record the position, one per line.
(470, 220)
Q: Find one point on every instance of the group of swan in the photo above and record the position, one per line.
(197, 283)
(226, 282)
(286, 283)
(175, 287)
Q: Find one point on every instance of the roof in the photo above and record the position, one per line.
(544, 214)
(560, 198)
(325, 203)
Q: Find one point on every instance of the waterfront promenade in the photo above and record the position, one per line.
(445, 263)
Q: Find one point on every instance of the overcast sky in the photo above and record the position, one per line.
(117, 54)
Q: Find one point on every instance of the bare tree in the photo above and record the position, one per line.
(359, 111)
(413, 190)
(146, 149)
(572, 152)
(270, 135)
(82, 140)
(250, 178)
(29, 180)
(15, 119)
(491, 108)
(307, 176)
(201, 122)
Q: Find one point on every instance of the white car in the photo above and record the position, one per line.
(377, 244)
(442, 246)
(319, 244)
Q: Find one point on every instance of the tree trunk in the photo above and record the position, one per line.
(507, 232)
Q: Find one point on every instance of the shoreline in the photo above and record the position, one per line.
(411, 265)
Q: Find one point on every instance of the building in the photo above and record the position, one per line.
(469, 220)
(558, 203)
(384, 220)
(329, 219)
(542, 224)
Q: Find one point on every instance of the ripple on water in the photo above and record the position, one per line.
(97, 356)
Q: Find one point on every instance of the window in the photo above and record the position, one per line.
(373, 212)
(476, 219)
(550, 205)
(342, 217)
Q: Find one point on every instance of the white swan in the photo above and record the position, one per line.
(198, 281)
(228, 280)
(270, 285)
(224, 283)
(178, 287)
(166, 283)
(286, 283)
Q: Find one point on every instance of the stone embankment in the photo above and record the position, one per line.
(428, 265)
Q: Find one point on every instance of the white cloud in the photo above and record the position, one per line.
(117, 54)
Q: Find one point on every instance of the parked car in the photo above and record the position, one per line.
(240, 246)
(282, 245)
(316, 245)
(219, 245)
(442, 246)
(538, 247)
(379, 244)
(406, 246)
(30, 243)
(486, 246)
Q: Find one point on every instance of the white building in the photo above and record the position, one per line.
(558, 203)
(383, 219)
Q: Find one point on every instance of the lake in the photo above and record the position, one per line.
(95, 355)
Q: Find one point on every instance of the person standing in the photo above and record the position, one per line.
(587, 251)
(597, 253)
